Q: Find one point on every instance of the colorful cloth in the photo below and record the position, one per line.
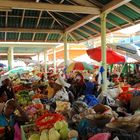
(89, 88)
(4, 122)
(91, 100)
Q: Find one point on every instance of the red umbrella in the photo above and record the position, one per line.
(112, 57)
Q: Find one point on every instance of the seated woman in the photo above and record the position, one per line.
(3, 98)
(8, 119)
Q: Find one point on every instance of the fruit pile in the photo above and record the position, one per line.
(58, 132)
(23, 97)
(34, 111)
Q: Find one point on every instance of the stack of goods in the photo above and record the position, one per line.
(51, 126)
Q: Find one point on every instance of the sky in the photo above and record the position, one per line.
(131, 30)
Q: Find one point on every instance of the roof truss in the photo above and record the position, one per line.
(107, 8)
(50, 7)
(27, 30)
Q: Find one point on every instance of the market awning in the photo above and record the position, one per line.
(130, 50)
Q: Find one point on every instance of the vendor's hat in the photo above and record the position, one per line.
(62, 82)
(86, 77)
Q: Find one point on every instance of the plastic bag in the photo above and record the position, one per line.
(101, 136)
(91, 100)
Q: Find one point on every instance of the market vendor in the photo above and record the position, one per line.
(8, 118)
(7, 86)
(3, 98)
(78, 86)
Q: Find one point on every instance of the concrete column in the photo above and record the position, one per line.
(103, 47)
(54, 59)
(10, 58)
(65, 50)
(38, 58)
(45, 60)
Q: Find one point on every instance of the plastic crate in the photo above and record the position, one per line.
(23, 133)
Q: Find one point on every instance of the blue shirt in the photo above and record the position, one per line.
(89, 88)
(5, 122)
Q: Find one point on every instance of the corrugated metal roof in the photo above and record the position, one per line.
(128, 12)
(12, 36)
(26, 36)
(37, 19)
(40, 36)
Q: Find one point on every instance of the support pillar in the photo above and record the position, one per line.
(38, 58)
(103, 47)
(45, 60)
(10, 58)
(65, 50)
(54, 59)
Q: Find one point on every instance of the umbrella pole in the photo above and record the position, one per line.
(103, 47)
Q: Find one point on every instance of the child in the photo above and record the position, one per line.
(8, 118)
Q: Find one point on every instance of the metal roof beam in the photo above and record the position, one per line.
(113, 23)
(84, 3)
(24, 53)
(92, 29)
(46, 37)
(80, 36)
(22, 45)
(5, 36)
(19, 36)
(33, 37)
(114, 4)
(115, 13)
(60, 38)
(72, 37)
(38, 19)
(50, 7)
(133, 7)
(108, 7)
(6, 21)
(31, 17)
(99, 25)
(27, 30)
(22, 19)
(81, 22)
(88, 28)
(48, 33)
(122, 17)
(55, 19)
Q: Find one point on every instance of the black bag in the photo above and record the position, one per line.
(125, 135)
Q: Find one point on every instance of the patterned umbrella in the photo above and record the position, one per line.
(20, 70)
(79, 66)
